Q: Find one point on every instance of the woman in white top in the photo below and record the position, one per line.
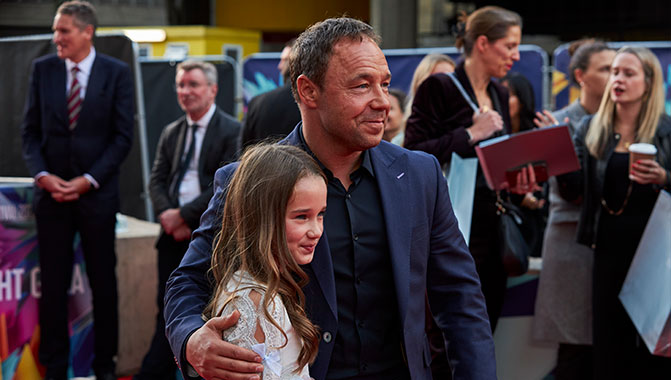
(272, 221)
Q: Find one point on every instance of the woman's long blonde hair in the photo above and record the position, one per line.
(253, 237)
(602, 125)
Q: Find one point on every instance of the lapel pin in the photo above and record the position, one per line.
(400, 175)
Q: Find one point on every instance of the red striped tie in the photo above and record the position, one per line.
(74, 100)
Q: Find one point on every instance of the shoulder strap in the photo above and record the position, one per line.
(461, 89)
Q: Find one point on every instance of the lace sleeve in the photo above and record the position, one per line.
(243, 332)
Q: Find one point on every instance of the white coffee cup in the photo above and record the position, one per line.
(641, 151)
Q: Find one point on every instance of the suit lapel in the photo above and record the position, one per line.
(322, 266)
(58, 91)
(179, 146)
(94, 89)
(208, 140)
(177, 158)
(394, 186)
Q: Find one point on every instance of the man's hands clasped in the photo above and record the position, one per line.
(62, 190)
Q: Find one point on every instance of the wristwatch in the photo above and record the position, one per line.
(470, 136)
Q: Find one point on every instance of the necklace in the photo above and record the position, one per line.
(626, 144)
(624, 203)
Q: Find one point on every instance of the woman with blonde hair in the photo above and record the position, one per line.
(563, 310)
(272, 220)
(617, 203)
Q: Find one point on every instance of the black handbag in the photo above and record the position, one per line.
(514, 249)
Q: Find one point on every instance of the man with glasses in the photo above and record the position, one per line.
(189, 151)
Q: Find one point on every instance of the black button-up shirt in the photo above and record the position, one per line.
(368, 340)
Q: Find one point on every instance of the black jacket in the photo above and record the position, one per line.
(273, 114)
(588, 181)
(219, 148)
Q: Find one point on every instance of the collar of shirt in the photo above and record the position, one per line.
(204, 121)
(365, 162)
(85, 66)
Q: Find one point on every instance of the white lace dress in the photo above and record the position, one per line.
(279, 363)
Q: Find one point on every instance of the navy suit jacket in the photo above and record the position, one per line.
(103, 135)
(428, 254)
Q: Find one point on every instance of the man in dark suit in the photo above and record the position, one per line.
(181, 185)
(272, 114)
(390, 237)
(77, 130)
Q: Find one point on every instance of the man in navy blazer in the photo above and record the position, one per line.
(74, 152)
(390, 238)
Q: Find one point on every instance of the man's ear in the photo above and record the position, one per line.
(88, 29)
(308, 91)
(578, 74)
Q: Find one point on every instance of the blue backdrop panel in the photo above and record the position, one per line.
(260, 72)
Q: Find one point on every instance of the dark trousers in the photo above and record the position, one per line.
(574, 362)
(57, 224)
(159, 363)
(485, 246)
(619, 352)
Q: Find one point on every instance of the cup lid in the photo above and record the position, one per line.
(643, 148)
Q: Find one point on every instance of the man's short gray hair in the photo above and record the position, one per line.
(312, 50)
(206, 67)
(82, 12)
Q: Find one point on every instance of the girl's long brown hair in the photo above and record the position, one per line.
(253, 237)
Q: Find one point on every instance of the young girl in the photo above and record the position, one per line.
(272, 220)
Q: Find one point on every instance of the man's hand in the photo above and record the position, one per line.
(79, 185)
(213, 358)
(52, 183)
(182, 233)
(64, 191)
(170, 220)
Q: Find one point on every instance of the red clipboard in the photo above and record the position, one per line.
(549, 149)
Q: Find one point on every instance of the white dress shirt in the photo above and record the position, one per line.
(189, 189)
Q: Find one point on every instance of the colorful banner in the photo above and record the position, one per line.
(20, 290)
